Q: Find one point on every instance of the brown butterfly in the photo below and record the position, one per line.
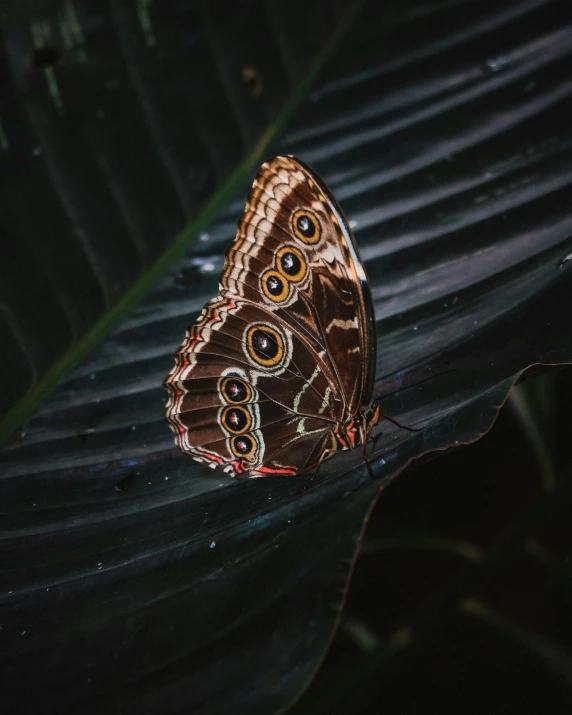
(277, 373)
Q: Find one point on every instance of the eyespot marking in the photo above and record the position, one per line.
(264, 345)
(275, 286)
(290, 262)
(244, 446)
(236, 419)
(306, 226)
(235, 390)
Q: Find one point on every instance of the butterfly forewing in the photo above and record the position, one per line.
(292, 222)
(285, 353)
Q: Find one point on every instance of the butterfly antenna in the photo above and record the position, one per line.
(398, 424)
(389, 394)
(415, 384)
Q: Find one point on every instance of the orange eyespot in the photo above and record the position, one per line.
(306, 226)
(235, 390)
(275, 286)
(265, 345)
(244, 446)
(290, 262)
(236, 419)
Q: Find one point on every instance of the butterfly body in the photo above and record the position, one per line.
(277, 373)
(355, 430)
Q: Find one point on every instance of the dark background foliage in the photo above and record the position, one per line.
(133, 580)
(460, 595)
(118, 126)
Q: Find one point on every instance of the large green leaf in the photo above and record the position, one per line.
(122, 126)
(138, 580)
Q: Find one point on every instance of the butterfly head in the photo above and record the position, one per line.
(371, 416)
(357, 428)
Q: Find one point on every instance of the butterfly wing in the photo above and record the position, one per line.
(295, 254)
(247, 393)
(288, 348)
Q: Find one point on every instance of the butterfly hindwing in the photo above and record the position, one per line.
(245, 385)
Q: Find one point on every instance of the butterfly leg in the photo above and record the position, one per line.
(316, 470)
(365, 457)
(376, 437)
(323, 457)
(368, 465)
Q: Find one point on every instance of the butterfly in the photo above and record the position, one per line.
(277, 373)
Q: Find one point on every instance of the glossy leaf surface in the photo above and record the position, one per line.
(125, 127)
(136, 579)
